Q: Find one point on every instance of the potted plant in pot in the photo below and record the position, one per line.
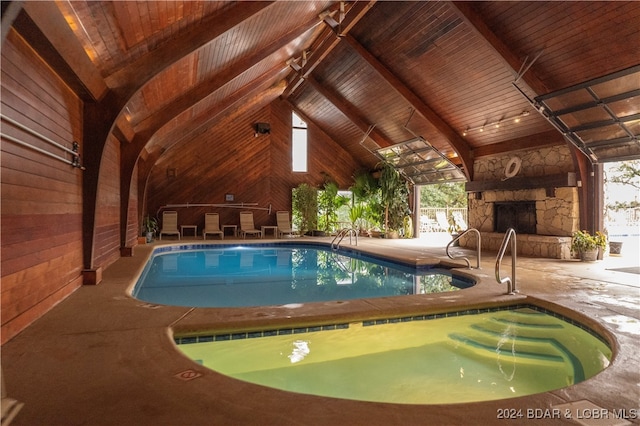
(587, 245)
(305, 207)
(149, 227)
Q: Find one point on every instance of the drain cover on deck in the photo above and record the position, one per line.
(187, 375)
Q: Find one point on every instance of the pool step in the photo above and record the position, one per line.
(529, 335)
(523, 348)
(525, 327)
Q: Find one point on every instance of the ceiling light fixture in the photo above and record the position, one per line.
(496, 124)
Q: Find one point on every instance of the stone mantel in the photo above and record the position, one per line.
(524, 182)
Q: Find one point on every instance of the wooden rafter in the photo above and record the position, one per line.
(457, 142)
(468, 14)
(588, 195)
(200, 125)
(46, 30)
(357, 12)
(349, 111)
(551, 137)
(132, 77)
(199, 92)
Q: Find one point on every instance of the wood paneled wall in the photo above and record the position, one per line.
(107, 241)
(41, 197)
(42, 260)
(133, 227)
(253, 169)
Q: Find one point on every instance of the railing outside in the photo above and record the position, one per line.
(623, 218)
(430, 218)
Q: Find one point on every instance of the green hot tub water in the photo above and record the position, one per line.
(458, 359)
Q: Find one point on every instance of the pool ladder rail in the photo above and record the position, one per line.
(348, 269)
(335, 243)
(509, 236)
(479, 245)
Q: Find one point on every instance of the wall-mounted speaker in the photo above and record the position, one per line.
(262, 128)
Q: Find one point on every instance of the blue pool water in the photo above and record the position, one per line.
(240, 276)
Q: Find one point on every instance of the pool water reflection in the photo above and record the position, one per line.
(278, 275)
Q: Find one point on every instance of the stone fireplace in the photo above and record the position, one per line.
(541, 203)
(519, 215)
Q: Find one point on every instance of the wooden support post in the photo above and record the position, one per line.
(92, 276)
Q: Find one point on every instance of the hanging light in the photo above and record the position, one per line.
(496, 124)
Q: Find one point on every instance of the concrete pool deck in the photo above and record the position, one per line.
(101, 357)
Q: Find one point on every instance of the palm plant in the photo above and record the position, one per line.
(395, 197)
(329, 201)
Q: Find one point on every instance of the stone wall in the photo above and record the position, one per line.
(557, 209)
(535, 162)
(528, 245)
(557, 215)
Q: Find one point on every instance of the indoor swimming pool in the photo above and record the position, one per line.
(279, 274)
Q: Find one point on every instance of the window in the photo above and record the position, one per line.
(299, 144)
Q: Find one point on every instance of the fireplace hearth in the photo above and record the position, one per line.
(519, 215)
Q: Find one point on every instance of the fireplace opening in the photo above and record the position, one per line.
(519, 215)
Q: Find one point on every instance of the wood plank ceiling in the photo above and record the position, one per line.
(389, 70)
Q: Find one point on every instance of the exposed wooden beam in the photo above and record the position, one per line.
(131, 152)
(199, 92)
(136, 74)
(124, 127)
(328, 42)
(252, 96)
(204, 121)
(255, 91)
(320, 129)
(96, 127)
(10, 11)
(589, 201)
(551, 137)
(349, 111)
(45, 29)
(469, 15)
(355, 13)
(457, 142)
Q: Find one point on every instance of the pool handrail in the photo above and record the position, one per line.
(509, 236)
(479, 247)
(341, 234)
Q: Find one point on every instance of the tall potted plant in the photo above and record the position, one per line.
(305, 207)
(394, 191)
(329, 201)
(366, 193)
